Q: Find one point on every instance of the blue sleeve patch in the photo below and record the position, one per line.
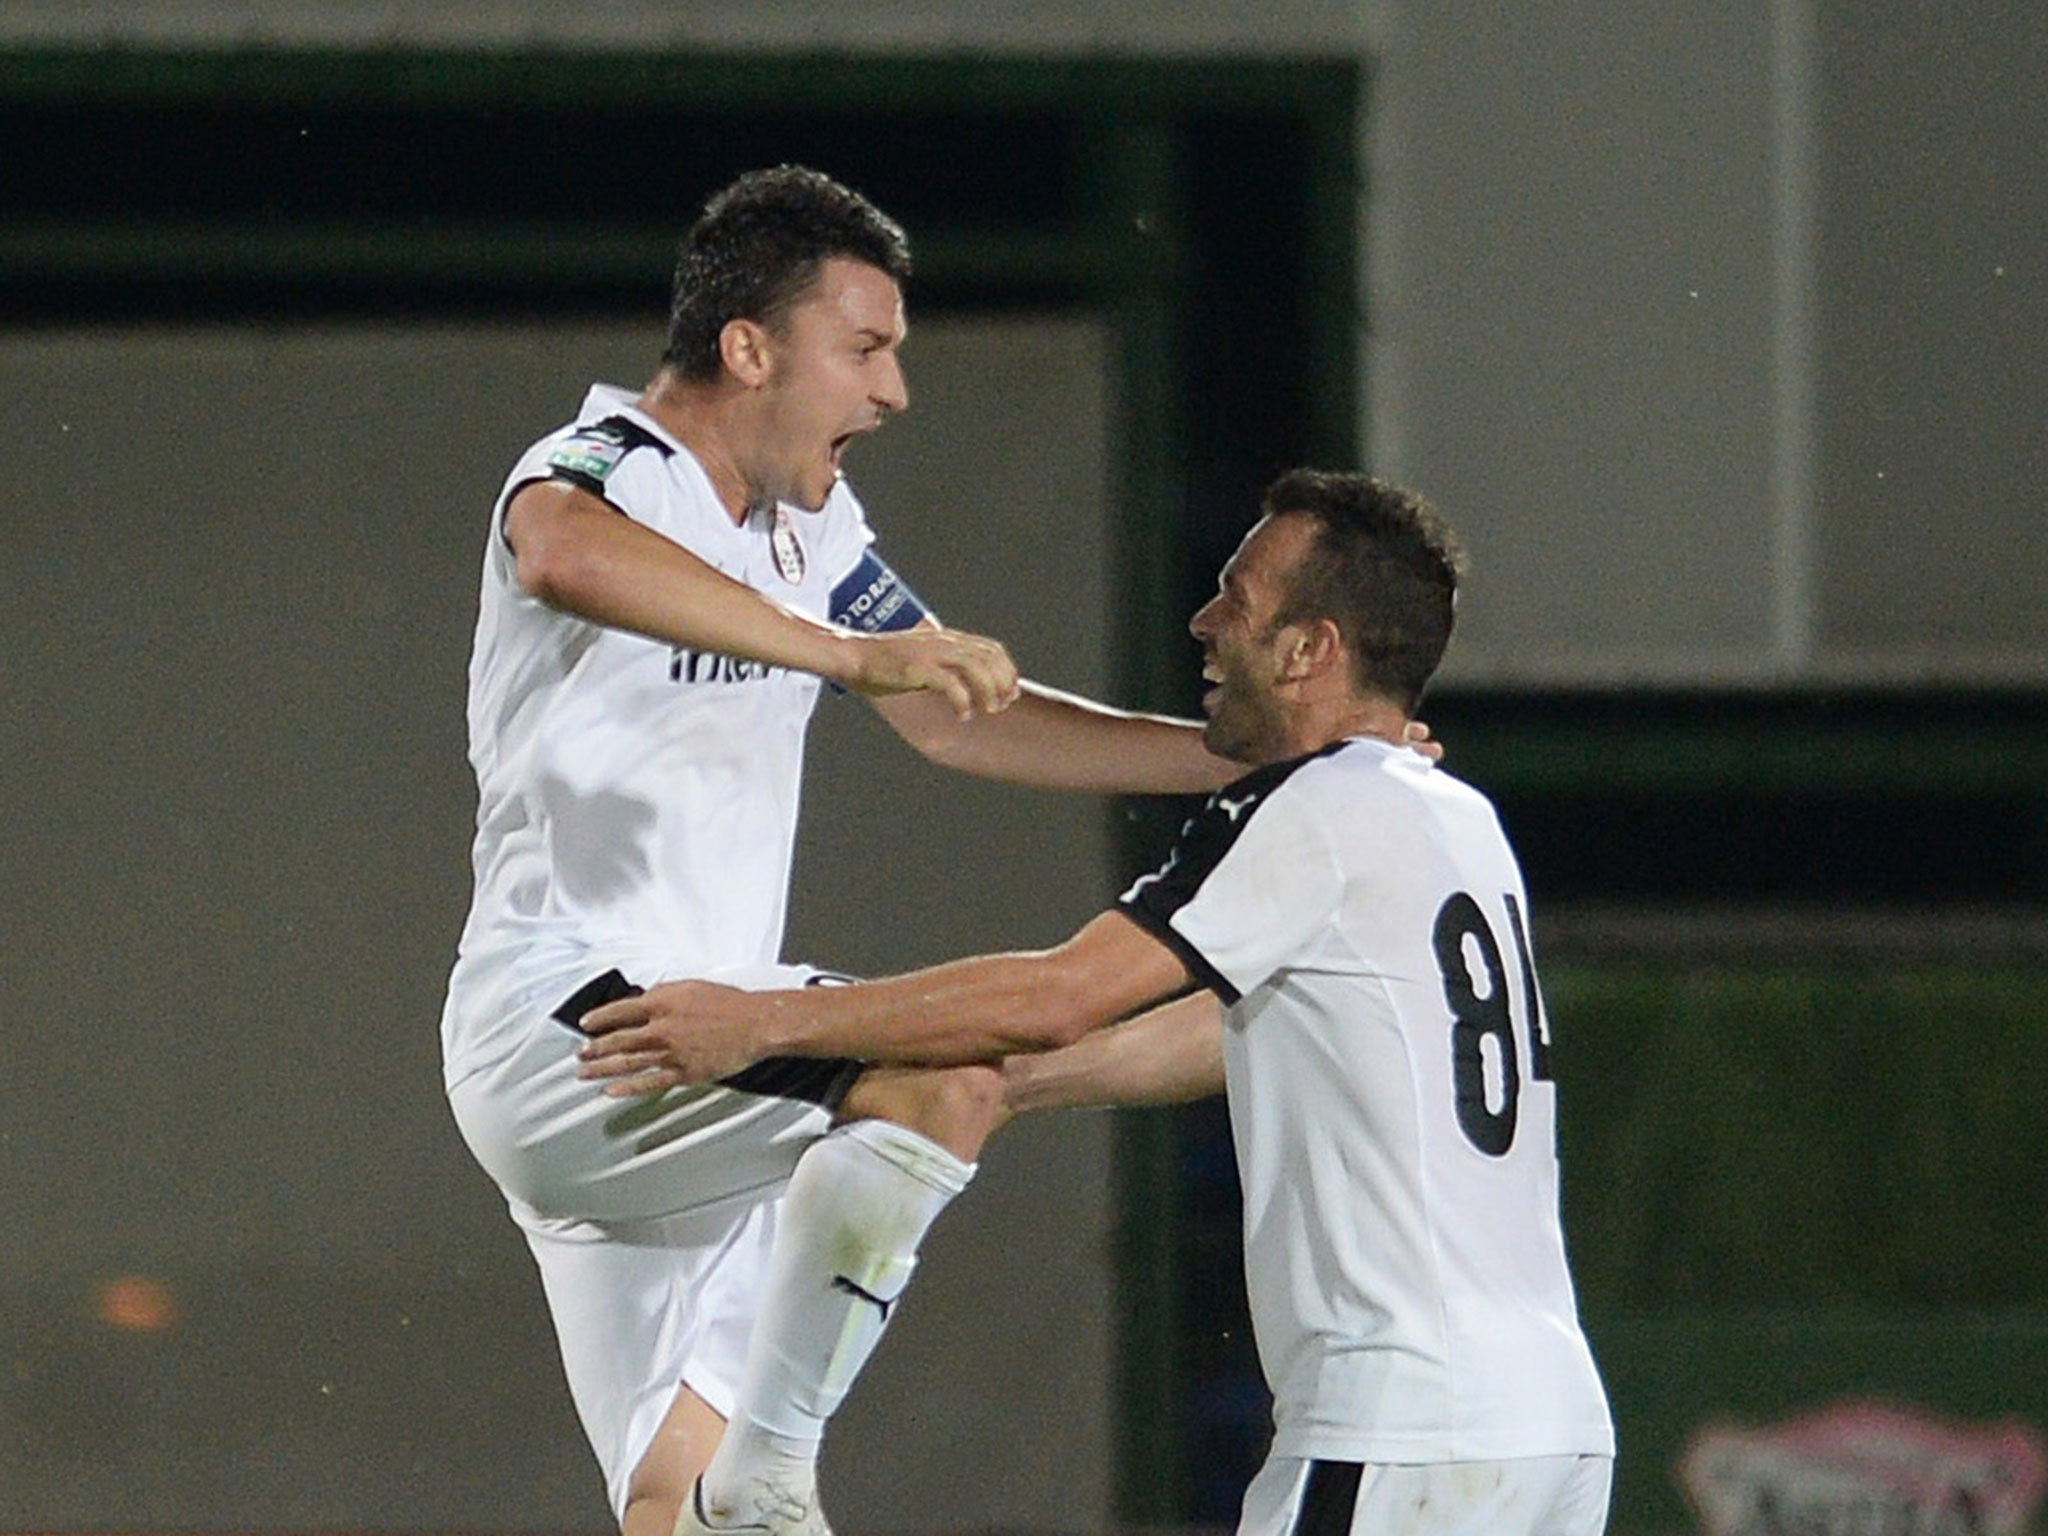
(873, 599)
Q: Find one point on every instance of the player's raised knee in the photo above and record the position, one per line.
(957, 1107)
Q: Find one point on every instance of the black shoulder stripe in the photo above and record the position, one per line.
(633, 435)
(1206, 837)
(579, 479)
(586, 457)
(1197, 963)
(567, 477)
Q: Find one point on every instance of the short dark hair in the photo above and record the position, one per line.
(1384, 567)
(757, 248)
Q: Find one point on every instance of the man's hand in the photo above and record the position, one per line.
(971, 672)
(679, 1032)
(1417, 738)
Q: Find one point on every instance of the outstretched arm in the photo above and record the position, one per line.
(981, 1009)
(1170, 1055)
(577, 553)
(1054, 740)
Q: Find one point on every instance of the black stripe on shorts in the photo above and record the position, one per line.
(1330, 1499)
(819, 1080)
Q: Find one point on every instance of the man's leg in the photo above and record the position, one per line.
(676, 1458)
(855, 1213)
(641, 1310)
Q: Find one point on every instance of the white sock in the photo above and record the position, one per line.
(858, 1205)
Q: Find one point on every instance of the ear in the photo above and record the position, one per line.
(1316, 648)
(744, 347)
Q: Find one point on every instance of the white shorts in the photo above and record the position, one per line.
(651, 1219)
(558, 1146)
(1528, 1496)
(642, 1309)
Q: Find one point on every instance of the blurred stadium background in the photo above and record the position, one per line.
(1719, 334)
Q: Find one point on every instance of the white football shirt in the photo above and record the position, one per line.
(1363, 919)
(637, 802)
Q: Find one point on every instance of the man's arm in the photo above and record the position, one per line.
(1170, 1055)
(981, 1009)
(577, 553)
(1054, 740)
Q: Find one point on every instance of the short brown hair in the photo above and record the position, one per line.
(757, 248)
(1384, 568)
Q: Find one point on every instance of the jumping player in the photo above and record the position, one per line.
(667, 580)
(1351, 923)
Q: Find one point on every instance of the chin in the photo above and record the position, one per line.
(1221, 743)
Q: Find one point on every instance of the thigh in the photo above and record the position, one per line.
(1527, 1496)
(556, 1144)
(642, 1309)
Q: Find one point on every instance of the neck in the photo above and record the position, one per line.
(1380, 719)
(704, 418)
(1314, 727)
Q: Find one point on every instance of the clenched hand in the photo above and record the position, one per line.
(972, 672)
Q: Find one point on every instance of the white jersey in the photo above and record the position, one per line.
(1363, 919)
(637, 802)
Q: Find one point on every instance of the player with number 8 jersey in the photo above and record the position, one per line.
(1404, 1259)
(1339, 940)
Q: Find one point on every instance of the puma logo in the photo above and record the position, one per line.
(841, 1283)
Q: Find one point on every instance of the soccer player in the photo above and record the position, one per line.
(667, 581)
(1356, 920)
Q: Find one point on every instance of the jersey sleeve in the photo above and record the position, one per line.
(1248, 889)
(611, 459)
(873, 599)
(866, 594)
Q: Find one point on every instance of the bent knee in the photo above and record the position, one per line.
(957, 1107)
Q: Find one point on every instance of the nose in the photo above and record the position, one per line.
(1198, 626)
(891, 391)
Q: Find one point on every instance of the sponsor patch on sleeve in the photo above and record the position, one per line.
(589, 456)
(874, 599)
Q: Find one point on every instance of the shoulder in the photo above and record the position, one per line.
(1364, 771)
(1364, 797)
(1280, 801)
(838, 532)
(591, 454)
(1344, 772)
(843, 519)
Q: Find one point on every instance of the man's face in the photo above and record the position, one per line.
(1244, 652)
(833, 375)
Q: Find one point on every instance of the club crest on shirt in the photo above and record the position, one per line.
(787, 548)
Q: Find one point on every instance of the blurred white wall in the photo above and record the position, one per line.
(1717, 331)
